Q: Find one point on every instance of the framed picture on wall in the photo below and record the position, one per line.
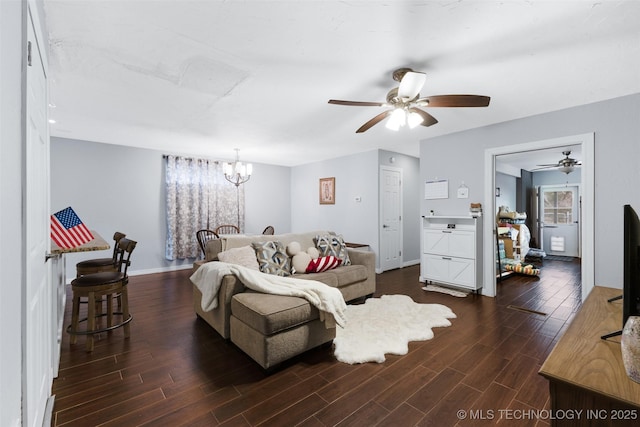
(328, 191)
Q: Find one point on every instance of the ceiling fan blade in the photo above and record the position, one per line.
(377, 119)
(550, 165)
(543, 167)
(455, 101)
(411, 84)
(427, 119)
(357, 103)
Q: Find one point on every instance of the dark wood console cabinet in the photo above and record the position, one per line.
(586, 376)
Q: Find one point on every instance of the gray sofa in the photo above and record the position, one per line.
(354, 281)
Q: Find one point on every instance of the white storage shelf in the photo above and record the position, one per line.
(451, 251)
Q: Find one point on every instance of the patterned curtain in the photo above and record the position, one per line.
(198, 196)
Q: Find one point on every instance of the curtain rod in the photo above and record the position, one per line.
(164, 156)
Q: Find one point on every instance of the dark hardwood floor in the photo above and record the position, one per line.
(175, 370)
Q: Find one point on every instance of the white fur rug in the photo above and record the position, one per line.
(386, 325)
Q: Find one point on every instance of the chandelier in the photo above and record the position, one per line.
(237, 172)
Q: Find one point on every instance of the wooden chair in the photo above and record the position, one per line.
(268, 230)
(96, 265)
(227, 229)
(94, 287)
(204, 236)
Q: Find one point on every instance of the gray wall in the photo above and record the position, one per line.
(113, 187)
(617, 166)
(356, 176)
(508, 190)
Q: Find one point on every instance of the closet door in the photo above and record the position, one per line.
(39, 300)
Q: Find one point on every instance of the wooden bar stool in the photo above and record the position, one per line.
(94, 287)
(96, 265)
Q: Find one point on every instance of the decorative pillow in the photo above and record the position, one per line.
(529, 270)
(313, 252)
(272, 258)
(299, 262)
(244, 256)
(324, 263)
(333, 245)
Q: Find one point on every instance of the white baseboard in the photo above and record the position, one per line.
(48, 411)
(404, 264)
(410, 263)
(160, 270)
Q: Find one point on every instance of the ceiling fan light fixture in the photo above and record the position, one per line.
(403, 102)
(397, 119)
(566, 169)
(414, 119)
(411, 84)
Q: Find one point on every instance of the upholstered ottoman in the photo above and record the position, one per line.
(274, 328)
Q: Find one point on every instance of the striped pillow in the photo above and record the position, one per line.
(324, 263)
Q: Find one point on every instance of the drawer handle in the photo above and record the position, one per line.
(446, 231)
(447, 258)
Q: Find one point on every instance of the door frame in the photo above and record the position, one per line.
(401, 213)
(587, 228)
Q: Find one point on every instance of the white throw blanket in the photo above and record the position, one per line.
(328, 300)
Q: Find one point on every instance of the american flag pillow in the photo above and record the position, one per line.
(324, 263)
(67, 230)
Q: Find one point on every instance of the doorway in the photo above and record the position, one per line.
(586, 225)
(391, 218)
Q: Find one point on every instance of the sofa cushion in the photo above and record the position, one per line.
(327, 277)
(350, 274)
(244, 256)
(331, 244)
(272, 258)
(270, 314)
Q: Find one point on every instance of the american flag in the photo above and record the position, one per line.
(67, 230)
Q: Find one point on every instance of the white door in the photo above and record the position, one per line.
(391, 218)
(559, 219)
(37, 375)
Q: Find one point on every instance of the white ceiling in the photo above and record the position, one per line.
(202, 78)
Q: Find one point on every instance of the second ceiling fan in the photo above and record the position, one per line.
(404, 102)
(565, 165)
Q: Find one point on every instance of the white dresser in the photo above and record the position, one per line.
(451, 251)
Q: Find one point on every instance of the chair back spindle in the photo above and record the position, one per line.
(227, 229)
(203, 236)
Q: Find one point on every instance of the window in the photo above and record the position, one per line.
(197, 197)
(558, 207)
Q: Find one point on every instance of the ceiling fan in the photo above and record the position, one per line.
(404, 100)
(565, 165)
